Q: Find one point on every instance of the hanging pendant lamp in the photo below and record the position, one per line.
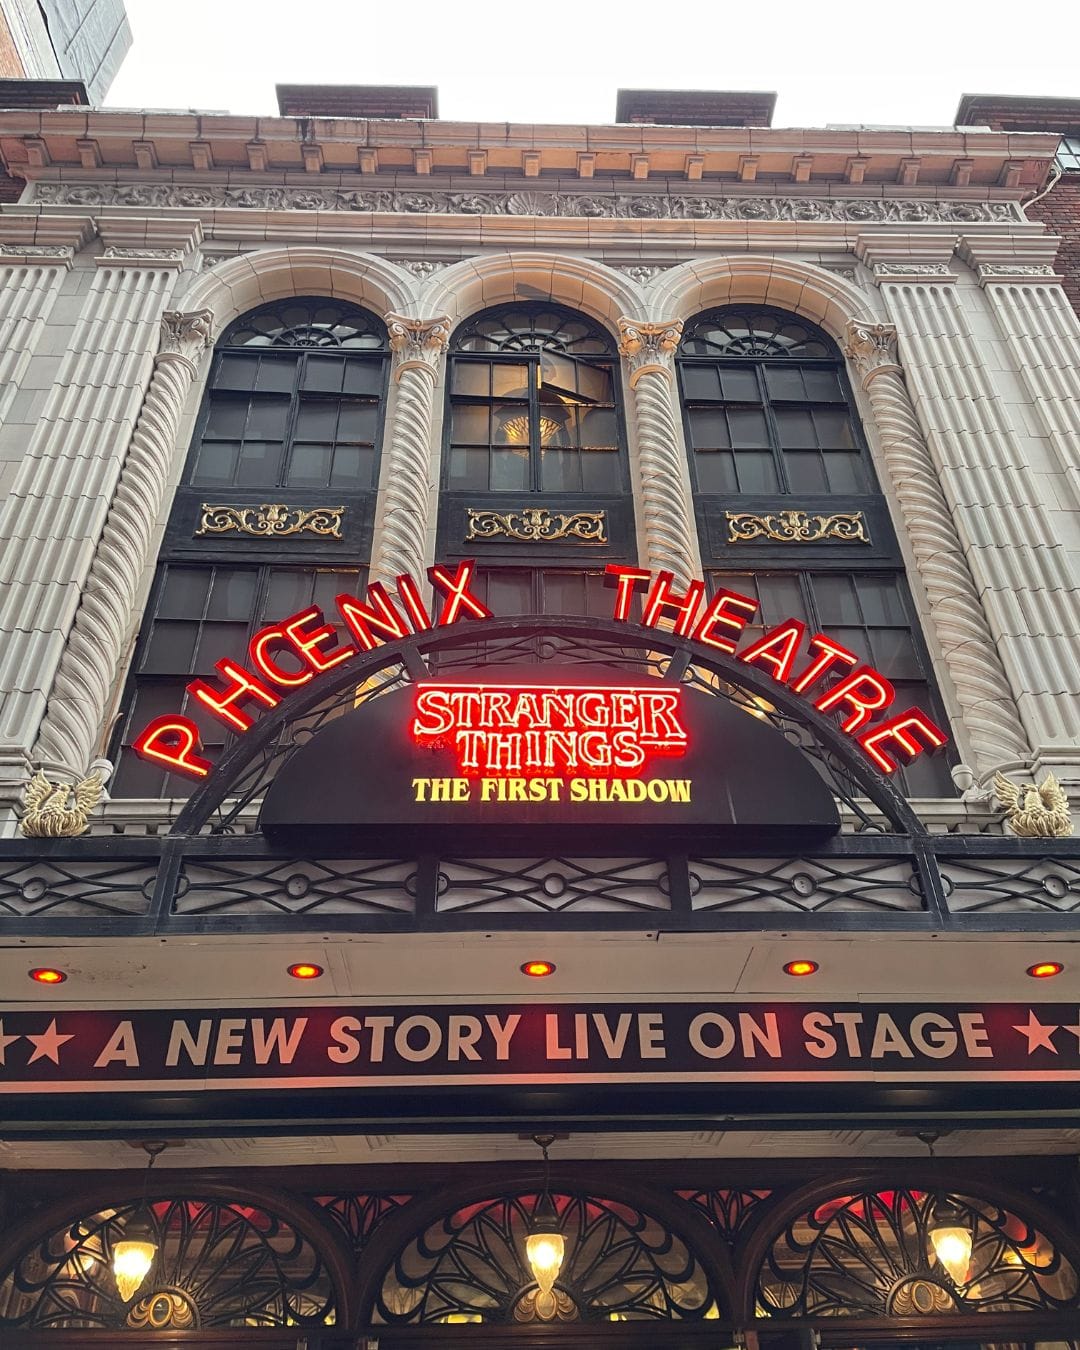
(949, 1232)
(545, 1245)
(133, 1256)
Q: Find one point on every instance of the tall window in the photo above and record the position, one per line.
(535, 482)
(788, 507)
(275, 506)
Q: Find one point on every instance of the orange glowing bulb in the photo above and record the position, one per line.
(538, 969)
(305, 970)
(1043, 970)
(801, 968)
(46, 975)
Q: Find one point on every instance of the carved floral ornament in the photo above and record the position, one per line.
(537, 525)
(649, 346)
(797, 527)
(270, 520)
(871, 347)
(186, 334)
(417, 344)
(615, 205)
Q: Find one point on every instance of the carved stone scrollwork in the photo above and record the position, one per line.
(649, 351)
(418, 346)
(96, 648)
(648, 346)
(797, 527)
(270, 520)
(169, 1309)
(535, 525)
(989, 711)
(417, 343)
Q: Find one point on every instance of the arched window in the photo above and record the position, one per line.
(535, 481)
(275, 506)
(788, 506)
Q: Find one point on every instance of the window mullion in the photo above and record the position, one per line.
(534, 424)
(291, 419)
(774, 430)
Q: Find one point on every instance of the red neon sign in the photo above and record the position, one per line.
(547, 730)
(288, 655)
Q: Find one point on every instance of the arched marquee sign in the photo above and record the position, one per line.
(559, 744)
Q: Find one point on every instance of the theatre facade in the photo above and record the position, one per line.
(539, 733)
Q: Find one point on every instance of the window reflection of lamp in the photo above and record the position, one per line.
(553, 416)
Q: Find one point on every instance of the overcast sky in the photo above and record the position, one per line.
(875, 61)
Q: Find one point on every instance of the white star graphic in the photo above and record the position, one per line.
(1037, 1034)
(5, 1041)
(47, 1044)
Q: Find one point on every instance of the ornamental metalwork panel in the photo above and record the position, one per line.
(217, 1265)
(870, 1255)
(805, 885)
(727, 1210)
(359, 1215)
(269, 520)
(1018, 885)
(536, 525)
(551, 885)
(262, 886)
(797, 527)
(621, 1264)
(69, 888)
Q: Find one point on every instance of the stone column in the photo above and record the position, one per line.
(1017, 557)
(56, 511)
(400, 543)
(991, 723)
(670, 538)
(94, 657)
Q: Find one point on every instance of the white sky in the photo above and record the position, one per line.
(876, 61)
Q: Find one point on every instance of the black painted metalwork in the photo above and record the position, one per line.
(217, 1264)
(621, 1264)
(870, 1254)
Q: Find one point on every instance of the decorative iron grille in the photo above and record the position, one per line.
(870, 1255)
(620, 1265)
(217, 1265)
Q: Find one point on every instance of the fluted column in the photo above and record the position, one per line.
(670, 539)
(990, 718)
(1017, 557)
(405, 509)
(1042, 334)
(106, 618)
(58, 504)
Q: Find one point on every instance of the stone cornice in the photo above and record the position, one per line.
(26, 229)
(35, 141)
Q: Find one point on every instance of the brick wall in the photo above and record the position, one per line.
(1059, 211)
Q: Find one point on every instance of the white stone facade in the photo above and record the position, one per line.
(139, 238)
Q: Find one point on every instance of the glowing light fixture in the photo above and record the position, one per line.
(948, 1230)
(545, 1245)
(47, 975)
(305, 970)
(1044, 970)
(133, 1257)
(801, 968)
(538, 969)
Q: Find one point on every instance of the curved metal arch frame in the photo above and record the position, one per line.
(813, 330)
(534, 307)
(377, 325)
(753, 1245)
(303, 1214)
(412, 1219)
(408, 653)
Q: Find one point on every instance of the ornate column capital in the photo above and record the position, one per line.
(871, 348)
(417, 344)
(185, 335)
(649, 347)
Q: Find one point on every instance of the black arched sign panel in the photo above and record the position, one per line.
(558, 758)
